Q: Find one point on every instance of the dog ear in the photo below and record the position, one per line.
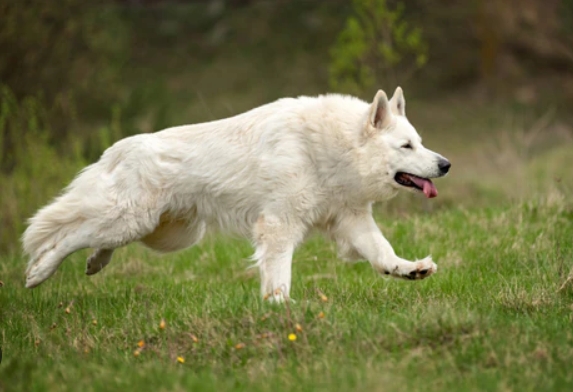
(398, 103)
(380, 110)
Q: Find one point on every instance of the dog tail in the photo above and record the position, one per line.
(46, 230)
(47, 227)
(87, 215)
(52, 228)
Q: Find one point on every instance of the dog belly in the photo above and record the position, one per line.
(175, 233)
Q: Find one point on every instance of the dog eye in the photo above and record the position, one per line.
(407, 145)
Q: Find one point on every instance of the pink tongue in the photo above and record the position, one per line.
(427, 186)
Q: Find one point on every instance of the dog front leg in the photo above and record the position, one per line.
(275, 270)
(362, 234)
(275, 243)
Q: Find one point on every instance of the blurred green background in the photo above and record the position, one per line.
(489, 84)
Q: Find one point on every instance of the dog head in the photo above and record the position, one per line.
(404, 162)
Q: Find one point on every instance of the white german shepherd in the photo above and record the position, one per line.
(271, 174)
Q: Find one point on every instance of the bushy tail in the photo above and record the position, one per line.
(48, 226)
(54, 232)
(44, 239)
(61, 217)
(87, 215)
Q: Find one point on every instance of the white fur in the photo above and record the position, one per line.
(271, 174)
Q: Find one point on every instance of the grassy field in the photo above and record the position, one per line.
(497, 316)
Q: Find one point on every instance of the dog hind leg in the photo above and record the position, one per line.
(98, 260)
(275, 243)
(49, 241)
(169, 235)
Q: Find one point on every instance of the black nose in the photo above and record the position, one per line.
(444, 165)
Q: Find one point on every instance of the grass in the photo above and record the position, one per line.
(497, 316)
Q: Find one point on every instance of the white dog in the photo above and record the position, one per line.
(271, 174)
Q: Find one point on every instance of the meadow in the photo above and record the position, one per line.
(497, 316)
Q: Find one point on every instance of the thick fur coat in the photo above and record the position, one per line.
(270, 174)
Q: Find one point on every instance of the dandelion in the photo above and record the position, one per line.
(162, 324)
(141, 344)
(321, 315)
(240, 346)
(292, 337)
(298, 327)
(94, 322)
(136, 353)
(180, 359)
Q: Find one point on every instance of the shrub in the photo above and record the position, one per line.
(376, 47)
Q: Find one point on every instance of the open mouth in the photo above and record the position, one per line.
(424, 185)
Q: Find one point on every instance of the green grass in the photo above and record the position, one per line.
(497, 316)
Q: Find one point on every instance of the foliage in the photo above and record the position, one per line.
(32, 169)
(376, 46)
(60, 48)
(69, 51)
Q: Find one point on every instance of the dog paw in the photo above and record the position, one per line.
(98, 260)
(278, 297)
(422, 269)
(93, 266)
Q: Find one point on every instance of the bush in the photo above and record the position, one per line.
(68, 51)
(377, 46)
(34, 170)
